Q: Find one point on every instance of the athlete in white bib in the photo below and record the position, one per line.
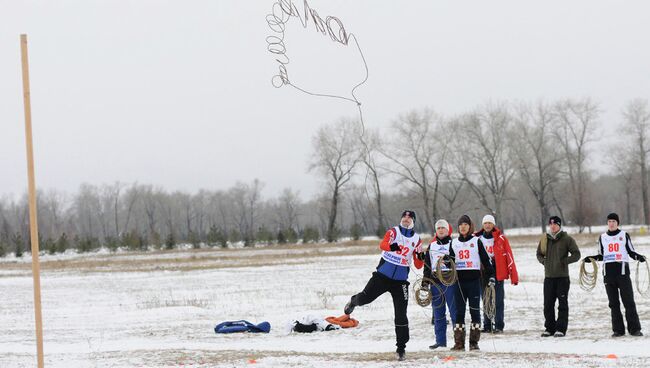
(469, 254)
(498, 248)
(615, 250)
(441, 294)
(401, 246)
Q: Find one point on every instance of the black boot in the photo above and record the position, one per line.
(474, 336)
(400, 354)
(459, 337)
(349, 308)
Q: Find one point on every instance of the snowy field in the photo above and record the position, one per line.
(159, 309)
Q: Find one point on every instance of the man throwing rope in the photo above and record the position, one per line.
(401, 246)
(615, 250)
(556, 250)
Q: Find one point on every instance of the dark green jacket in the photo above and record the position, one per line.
(559, 253)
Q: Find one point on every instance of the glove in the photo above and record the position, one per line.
(641, 258)
(394, 247)
(424, 284)
(420, 256)
(491, 281)
(446, 258)
(588, 259)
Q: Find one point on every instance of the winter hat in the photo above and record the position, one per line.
(409, 213)
(555, 220)
(464, 219)
(613, 216)
(489, 218)
(442, 223)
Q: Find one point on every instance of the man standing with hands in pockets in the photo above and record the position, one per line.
(556, 250)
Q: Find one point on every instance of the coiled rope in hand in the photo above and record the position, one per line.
(446, 277)
(423, 295)
(490, 302)
(643, 287)
(588, 279)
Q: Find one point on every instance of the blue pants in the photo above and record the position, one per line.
(442, 295)
(468, 292)
(498, 317)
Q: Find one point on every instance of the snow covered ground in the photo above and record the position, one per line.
(159, 310)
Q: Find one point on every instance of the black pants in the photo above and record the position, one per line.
(556, 288)
(623, 284)
(468, 290)
(399, 290)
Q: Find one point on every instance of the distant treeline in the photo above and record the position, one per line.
(520, 162)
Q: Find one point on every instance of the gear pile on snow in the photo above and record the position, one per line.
(242, 326)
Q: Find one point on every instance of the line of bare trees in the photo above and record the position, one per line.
(519, 161)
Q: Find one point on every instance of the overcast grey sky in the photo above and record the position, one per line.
(178, 93)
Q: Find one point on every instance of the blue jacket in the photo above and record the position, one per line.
(393, 271)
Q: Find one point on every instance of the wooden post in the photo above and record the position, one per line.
(36, 268)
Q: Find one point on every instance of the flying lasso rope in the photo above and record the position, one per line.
(644, 290)
(588, 279)
(281, 12)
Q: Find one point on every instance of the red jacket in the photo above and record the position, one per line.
(504, 262)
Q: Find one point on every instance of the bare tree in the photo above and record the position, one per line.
(536, 156)
(417, 155)
(335, 155)
(287, 209)
(127, 205)
(575, 130)
(372, 146)
(360, 207)
(87, 207)
(486, 167)
(152, 205)
(247, 200)
(637, 126)
(51, 212)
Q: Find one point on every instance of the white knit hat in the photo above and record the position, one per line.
(442, 223)
(489, 218)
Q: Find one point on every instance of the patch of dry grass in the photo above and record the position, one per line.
(217, 258)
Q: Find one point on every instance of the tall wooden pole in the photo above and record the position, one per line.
(36, 268)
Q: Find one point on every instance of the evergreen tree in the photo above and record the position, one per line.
(62, 244)
(194, 240)
(170, 241)
(355, 231)
(50, 246)
(292, 236)
(19, 244)
(282, 239)
(310, 235)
